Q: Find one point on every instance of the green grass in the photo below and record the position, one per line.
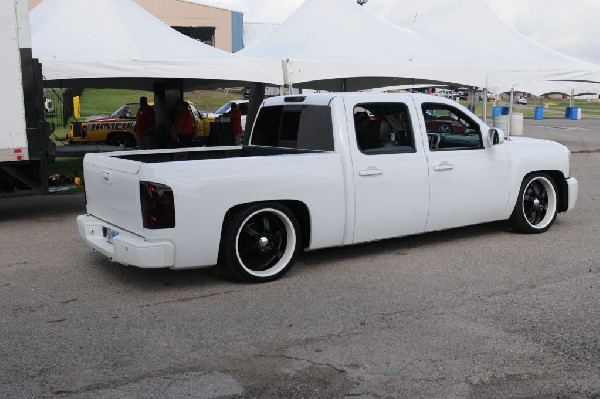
(211, 100)
(105, 101)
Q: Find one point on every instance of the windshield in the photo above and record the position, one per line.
(117, 112)
(223, 109)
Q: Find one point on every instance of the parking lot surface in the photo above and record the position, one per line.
(477, 312)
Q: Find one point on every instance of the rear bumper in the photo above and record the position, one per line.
(124, 247)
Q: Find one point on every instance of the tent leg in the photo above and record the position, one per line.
(256, 99)
(510, 110)
(167, 96)
(484, 112)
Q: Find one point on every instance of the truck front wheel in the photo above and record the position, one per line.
(537, 205)
(260, 242)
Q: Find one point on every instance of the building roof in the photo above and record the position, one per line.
(208, 3)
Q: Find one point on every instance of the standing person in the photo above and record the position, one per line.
(144, 125)
(183, 127)
(236, 123)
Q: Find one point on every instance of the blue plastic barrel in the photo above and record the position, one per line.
(568, 112)
(470, 107)
(539, 113)
(497, 111)
(504, 110)
(574, 113)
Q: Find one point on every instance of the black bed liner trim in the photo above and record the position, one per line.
(243, 152)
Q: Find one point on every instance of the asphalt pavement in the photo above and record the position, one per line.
(476, 312)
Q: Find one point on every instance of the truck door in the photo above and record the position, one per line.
(468, 181)
(391, 186)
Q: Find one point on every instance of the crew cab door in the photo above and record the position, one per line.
(468, 177)
(389, 170)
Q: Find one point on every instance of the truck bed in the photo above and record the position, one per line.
(206, 183)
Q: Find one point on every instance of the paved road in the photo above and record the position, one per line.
(476, 312)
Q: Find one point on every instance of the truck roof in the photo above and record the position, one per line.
(325, 98)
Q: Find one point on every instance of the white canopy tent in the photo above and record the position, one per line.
(118, 43)
(364, 51)
(508, 57)
(360, 51)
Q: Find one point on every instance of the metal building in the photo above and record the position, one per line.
(217, 27)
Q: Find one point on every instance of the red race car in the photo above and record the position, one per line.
(444, 124)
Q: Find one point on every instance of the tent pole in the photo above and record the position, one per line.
(484, 111)
(287, 79)
(256, 99)
(510, 110)
(572, 101)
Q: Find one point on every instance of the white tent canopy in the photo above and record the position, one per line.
(360, 51)
(508, 57)
(111, 39)
(364, 51)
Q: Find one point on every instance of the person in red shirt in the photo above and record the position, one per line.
(236, 123)
(144, 125)
(183, 127)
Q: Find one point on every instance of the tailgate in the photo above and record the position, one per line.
(112, 190)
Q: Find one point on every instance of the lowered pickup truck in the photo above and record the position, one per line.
(320, 170)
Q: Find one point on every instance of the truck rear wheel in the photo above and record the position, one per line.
(260, 242)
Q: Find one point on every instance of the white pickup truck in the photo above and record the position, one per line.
(320, 170)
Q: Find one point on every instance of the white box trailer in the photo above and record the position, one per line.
(24, 142)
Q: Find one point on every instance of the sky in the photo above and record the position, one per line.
(570, 27)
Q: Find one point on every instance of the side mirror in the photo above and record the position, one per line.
(495, 136)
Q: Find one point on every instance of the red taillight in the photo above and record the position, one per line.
(158, 206)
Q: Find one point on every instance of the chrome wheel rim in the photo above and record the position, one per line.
(265, 242)
(539, 202)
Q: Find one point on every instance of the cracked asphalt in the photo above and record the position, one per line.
(476, 312)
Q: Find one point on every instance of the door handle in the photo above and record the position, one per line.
(443, 166)
(371, 171)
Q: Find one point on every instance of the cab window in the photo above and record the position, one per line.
(383, 128)
(303, 127)
(448, 128)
